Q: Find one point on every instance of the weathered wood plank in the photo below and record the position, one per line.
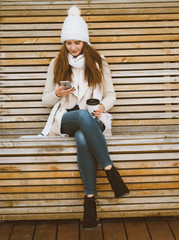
(99, 39)
(130, 77)
(93, 25)
(90, 18)
(105, 32)
(69, 202)
(35, 117)
(106, 10)
(79, 188)
(72, 150)
(79, 209)
(120, 67)
(114, 228)
(60, 5)
(123, 45)
(5, 230)
(174, 225)
(68, 230)
(169, 173)
(70, 141)
(134, 227)
(153, 157)
(75, 215)
(45, 230)
(71, 181)
(159, 229)
(138, 194)
(23, 231)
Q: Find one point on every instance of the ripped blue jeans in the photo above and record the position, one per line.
(91, 145)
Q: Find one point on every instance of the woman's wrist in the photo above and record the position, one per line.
(56, 93)
(102, 107)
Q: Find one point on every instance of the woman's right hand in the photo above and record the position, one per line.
(61, 92)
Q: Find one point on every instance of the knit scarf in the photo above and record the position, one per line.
(77, 62)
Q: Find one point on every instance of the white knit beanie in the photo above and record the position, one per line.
(74, 27)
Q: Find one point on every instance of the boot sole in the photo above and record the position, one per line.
(124, 195)
(90, 228)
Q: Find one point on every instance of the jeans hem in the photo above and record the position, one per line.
(106, 164)
(90, 192)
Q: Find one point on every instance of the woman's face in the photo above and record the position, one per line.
(74, 47)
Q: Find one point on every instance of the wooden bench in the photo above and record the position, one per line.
(39, 177)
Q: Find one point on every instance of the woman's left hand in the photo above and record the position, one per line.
(97, 113)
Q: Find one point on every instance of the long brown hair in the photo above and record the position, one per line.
(93, 66)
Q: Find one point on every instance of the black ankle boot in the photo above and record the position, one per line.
(117, 184)
(89, 217)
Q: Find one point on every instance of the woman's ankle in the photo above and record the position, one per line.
(90, 195)
(108, 167)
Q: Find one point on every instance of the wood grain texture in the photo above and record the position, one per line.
(108, 229)
(39, 177)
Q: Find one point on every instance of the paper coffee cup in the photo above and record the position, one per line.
(92, 105)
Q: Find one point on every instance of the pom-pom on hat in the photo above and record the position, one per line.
(74, 27)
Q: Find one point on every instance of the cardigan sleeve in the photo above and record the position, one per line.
(49, 97)
(109, 95)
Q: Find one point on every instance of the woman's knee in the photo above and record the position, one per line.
(84, 114)
(84, 117)
(80, 140)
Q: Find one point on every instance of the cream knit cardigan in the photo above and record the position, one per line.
(106, 96)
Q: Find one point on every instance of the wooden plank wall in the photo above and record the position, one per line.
(39, 178)
(140, 40)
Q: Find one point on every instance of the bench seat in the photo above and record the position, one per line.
(39, 178)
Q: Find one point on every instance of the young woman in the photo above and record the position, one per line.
(88, 72)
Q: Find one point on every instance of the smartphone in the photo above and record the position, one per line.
(67, 84)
